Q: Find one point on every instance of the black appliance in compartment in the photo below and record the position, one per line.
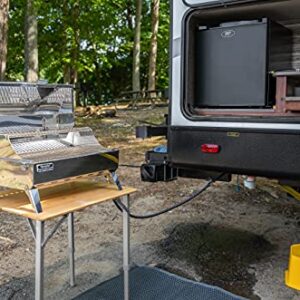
(234, 62)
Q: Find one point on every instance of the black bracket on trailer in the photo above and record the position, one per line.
(157, 168)
(144, 132)
(148, 131)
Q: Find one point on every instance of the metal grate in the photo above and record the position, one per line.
(18, 94)
(24, 94)
(63, 153)
(38, 146)
(59, 96)
(17, 129)
(30, 131)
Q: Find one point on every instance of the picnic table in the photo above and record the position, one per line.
(134, 97)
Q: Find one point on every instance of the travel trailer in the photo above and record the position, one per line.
(235, 91)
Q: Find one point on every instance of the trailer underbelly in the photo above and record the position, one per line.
(269, 154)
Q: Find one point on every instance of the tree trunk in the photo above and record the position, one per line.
(70, 68)
(153, 47)
(75, 52)
(64, 49)
(136, 80)
(31, 43)
(129, 15)
(4, 8)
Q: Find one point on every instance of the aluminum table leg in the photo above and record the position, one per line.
(39, 261)
(71, 248)
(126, 248)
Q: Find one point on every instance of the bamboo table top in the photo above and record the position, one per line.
(61, 200)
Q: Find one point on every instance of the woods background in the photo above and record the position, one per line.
(104, 47)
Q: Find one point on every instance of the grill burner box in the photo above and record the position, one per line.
(234, 62)
(39, 144)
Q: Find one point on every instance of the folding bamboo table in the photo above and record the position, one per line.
(62, 201)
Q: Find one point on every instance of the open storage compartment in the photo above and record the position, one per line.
(238, 61)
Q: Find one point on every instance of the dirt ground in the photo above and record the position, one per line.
(229, 237)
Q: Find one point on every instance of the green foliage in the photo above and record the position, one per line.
(93, 37)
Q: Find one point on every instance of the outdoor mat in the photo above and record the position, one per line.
(152, 284)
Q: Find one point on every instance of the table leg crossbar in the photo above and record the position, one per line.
(51, 233)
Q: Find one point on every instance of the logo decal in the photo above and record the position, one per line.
(233, 134)
(47, 167)
(227, 34)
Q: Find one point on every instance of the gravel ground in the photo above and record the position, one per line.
(229, 237)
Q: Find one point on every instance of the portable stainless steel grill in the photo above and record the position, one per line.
(39, 144)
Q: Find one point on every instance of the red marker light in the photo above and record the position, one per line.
(210, 148)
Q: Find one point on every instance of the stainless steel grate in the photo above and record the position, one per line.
(18, 94)
(59, 96)
(63, 153)
(38, 146)
(21, 132)
(24, 93)
(17, 129)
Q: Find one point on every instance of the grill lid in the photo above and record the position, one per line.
(33, 105)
